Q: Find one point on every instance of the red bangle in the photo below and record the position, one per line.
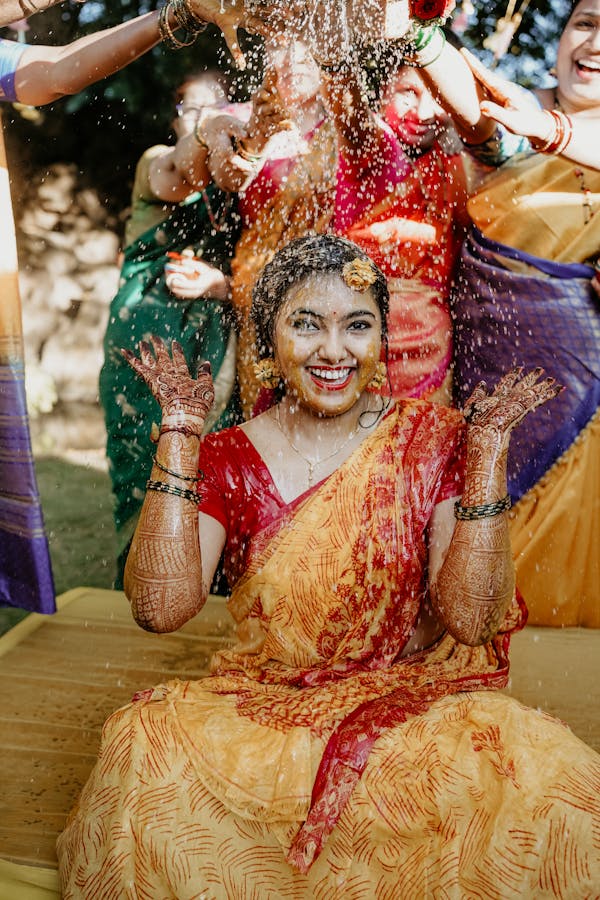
(559, 140)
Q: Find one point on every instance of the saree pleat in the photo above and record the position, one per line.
(25, 570)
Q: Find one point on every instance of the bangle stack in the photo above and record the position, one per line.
(423, 45)
(560, 136)
(195, 478)
(483, 511)
(163, 488)
(186, 19)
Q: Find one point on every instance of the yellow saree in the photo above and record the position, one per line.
(523, 296)
(316, 760)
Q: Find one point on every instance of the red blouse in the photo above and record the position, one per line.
(239, 492)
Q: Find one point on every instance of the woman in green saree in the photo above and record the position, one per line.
(197, 215)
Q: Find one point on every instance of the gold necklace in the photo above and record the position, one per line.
(586, 194)
(311, 463)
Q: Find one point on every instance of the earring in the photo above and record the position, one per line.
(267, 372)
(380, 377)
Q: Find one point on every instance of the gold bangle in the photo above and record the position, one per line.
(199, 139)
(240, 150)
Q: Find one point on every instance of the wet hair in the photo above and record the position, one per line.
(302, 257)
(381, 63)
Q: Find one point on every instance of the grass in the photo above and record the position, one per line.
(77, 506)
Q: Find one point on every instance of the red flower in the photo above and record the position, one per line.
(425, 10)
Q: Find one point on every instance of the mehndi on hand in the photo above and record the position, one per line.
(184, 401)
(510, 401)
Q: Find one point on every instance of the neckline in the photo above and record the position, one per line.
(266, 476)
(266, 472)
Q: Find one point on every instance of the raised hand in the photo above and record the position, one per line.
(226, 15)
(510, 401)
(189, 278)
(184, 401)
(269, 113)
(509, 104)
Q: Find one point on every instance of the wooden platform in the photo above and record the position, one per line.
(61, 677)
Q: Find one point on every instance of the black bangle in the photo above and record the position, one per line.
(164, 488)
(484, 511)
(199, 477)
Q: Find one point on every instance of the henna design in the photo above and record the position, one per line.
(163, 575)
(475, 584)
(510, 401)
(183, 399)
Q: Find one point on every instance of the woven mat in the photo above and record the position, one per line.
(63, 675)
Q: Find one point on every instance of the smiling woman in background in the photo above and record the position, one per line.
(525, 290)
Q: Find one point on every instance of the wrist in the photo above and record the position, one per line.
(178, 15)
(557, 129)
(184, 422)
(423, 44)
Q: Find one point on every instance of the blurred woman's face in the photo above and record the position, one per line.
(578, 59)
(411, 111)
(199, 98)
(298, 77)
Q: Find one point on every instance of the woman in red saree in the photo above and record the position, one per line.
(401, 196)
(351, 743)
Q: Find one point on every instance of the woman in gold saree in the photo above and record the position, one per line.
(352, 742)
(524, 289)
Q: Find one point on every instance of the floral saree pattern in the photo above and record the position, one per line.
(317, 760)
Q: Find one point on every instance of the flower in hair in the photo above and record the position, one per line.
(359, 274)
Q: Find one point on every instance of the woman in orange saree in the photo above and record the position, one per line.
(352, 742)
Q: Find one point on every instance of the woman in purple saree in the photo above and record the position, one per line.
(524, 294)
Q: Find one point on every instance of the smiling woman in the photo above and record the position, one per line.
(355, 716)
(525, 289)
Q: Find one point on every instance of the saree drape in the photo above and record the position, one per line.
(25, 571)
(409, 215)
(513, 306)
(316, 760)
(144, 306)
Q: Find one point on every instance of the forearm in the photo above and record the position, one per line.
(47, 73)
(348, 106)
(475, 584)
(163, 574)
(454, 86)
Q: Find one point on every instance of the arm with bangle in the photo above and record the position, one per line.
(235, 150)
(478, 100)
(46, 73)
(180, 170)
(473, 587)
(168, 575)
